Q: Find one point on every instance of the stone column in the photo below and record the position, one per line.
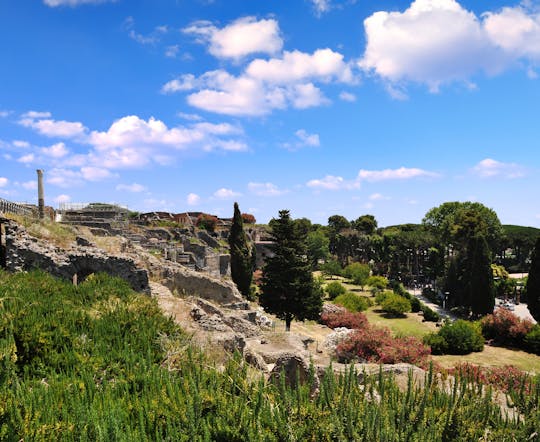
(41, 198)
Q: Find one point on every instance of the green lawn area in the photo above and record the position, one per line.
(411, 325)
(494, 356)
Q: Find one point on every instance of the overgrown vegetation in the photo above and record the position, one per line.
(98, 362)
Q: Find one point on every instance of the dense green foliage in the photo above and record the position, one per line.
(396, 305)
(353, 302)
(458, 338)
(100, 363)
(241, 260)
(334, 289)
(357, 273)
(288, 289)
(317, 247)
(533, 283)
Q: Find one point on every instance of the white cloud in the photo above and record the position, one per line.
(307, 139)
(266, 85)
(43, 124)
(26, 159)
(29, 185)
(64, 177)
(62, 199)
(172, 51)
(224, 193)
(438, 41)
(321, 6)
(3, 181)
(193, 199)
(55, 3)
(4, 113)
(265, 189)
(330, 182)
(324, 65)
(149, 39)
(242, 37)
(134, 187)
(303, 139)
(378, 197)
(347, 96)
(403, 173)
(95, 173)
(489, 168)
(57, 150)
(21, 144)
(189, 117)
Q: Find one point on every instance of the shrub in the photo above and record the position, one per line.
(334, 289)
(416, 305)
(532, 340)
(377, 283)
(429, 314)
(331, 268)
(207, 222)
(506, 328)
(431, 294)
(352, 302)
(462, 337)
(358, 273)
(505, 378)
(438, 344)
(376, 344)
(344, 319)
(248, 218)
(396, 305)
(380, 297)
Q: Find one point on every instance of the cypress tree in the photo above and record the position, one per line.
(241, 264)
(288, 289)
(533, 283)
(479, 277)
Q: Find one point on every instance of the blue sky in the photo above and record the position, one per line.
(318, 106)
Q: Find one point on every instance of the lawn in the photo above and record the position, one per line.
(494, 356)
(411, 325)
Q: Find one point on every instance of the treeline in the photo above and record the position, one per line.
(98, 362)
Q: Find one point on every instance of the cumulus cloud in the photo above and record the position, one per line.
(330, 182)
(29, 185)
(172, 51)
(265, 189)
(64, 177)
(378, 197)
(243, 37)
(57, 150)
(3, 181)
(489, 168)
(4, 113)
(438, 41)
(95, 173)
(193, 199)
(55, 3)
(303, 139)
(266, 85)
(21, 144)
(26, 159)
(224, 193)
(134, 187)
(347, 96)
(403, 173)
(321, 6)
(43, 124)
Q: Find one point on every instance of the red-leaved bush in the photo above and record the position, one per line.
(376, 344)
(503, 378)
(344, 319)
(505, 327)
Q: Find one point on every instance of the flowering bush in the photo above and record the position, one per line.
(248, 218)
(506, 328)
(376, 344)
(344, 319)
(207, 222)
(503, 378)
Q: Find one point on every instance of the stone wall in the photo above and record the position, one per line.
(24, 252)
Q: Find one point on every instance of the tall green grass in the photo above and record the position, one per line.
(98, 362)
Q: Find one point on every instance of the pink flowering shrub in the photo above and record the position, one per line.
(506, 328)
(344, 319)
(505, 378)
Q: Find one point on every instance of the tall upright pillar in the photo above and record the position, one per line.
(41, 198)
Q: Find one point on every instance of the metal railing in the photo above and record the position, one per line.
(15, 208)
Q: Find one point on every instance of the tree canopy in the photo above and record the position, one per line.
(288, 288)
(533, 283)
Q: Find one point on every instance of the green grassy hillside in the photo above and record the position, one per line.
(98, 362)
